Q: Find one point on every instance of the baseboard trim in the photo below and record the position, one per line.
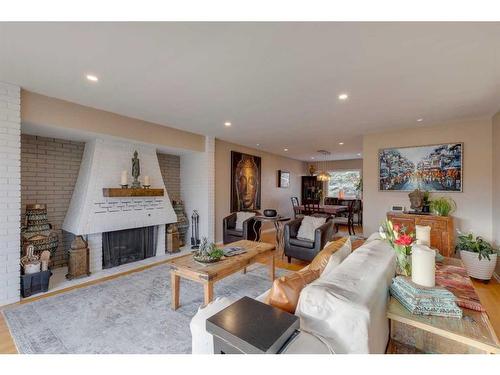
(497, 277)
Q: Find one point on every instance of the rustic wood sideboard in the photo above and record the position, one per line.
(442, 229)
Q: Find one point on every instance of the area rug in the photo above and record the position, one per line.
(129, 314)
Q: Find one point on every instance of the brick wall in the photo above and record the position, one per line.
(49, 170)
(10, 193)
(170, 167)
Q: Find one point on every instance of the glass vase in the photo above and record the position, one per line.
(403, 255)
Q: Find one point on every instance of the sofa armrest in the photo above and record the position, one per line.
(292, 228)
(322, 235)
(229, 222)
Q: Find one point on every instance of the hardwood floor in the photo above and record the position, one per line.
(488, 293)
(7, 345)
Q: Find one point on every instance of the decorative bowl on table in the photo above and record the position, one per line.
(269, 212)
(207, 252)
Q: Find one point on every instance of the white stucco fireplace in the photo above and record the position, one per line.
(91, 214)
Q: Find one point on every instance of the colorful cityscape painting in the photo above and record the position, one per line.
(430, 168)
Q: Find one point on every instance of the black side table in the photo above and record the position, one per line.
(252, 327)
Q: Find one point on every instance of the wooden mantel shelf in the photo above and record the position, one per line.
(121, 193)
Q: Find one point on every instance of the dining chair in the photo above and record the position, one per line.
(347, 219)
(296, 207)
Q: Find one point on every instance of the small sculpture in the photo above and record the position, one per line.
(136, 171)
(416, 200)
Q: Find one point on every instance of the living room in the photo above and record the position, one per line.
(165, 183)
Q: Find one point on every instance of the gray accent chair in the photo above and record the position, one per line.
(231, 234)
(304, 249)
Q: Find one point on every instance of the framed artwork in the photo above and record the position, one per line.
(283, 179)
(245, 182)
(434, 168)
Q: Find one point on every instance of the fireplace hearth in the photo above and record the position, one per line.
(129, 245)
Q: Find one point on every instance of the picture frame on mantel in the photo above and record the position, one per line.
(433, 168)
(283, 179)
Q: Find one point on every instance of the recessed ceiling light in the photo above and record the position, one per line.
(285, 149)
(343, 97)
(341, 143)
(312, 157)
(92, 78)
(258, 144)
(359, 154)
(227, 123)
(420, 120)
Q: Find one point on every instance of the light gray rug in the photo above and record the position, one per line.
(130, 314)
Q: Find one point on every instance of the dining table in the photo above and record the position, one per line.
(331, 209)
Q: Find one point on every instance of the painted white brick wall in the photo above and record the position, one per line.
(10, 192)
(160, 246)
(94, 242)
(198, 188)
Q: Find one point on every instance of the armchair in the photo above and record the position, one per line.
(304, 249)
(231, 234)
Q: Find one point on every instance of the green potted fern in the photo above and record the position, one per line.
(478, 256)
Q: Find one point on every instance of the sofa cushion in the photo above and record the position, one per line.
(338, 256)
(302, 243)
(234, 232)
(308, 226)
(286, 290)
(321, 260)
(242, 216)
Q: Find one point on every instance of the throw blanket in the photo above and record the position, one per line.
(347, 307)
(456, 280)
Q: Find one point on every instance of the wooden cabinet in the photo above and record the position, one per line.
(442, 229)
(310, 188)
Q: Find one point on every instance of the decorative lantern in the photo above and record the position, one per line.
(195, 230)
(173, 241)
(78, 262)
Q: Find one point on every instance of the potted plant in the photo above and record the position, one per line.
(443, 206)
(426, 207)
(479, 257)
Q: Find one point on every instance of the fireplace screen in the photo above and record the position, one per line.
(130, 245)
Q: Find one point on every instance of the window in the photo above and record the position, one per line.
(348, 181)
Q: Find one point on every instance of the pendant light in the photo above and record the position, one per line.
(323, 175)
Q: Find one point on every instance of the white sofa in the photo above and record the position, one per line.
(344, 311)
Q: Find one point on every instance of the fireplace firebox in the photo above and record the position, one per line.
(129, 245)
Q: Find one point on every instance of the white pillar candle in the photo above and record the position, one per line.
(146, 180)
(423, 235)
(423, 266)
(124, 178)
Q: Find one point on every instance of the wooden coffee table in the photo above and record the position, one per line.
(207, 275)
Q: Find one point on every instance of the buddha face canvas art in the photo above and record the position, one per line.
(245, 182)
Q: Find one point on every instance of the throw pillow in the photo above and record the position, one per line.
(308, 226)
(322, 259)
(338, 256)
(241, 217)
(286, 290)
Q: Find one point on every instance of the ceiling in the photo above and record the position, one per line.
(277, 83)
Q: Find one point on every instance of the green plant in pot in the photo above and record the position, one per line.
(479, 257)
(426, 205)
(207, 252)
(443, 206)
